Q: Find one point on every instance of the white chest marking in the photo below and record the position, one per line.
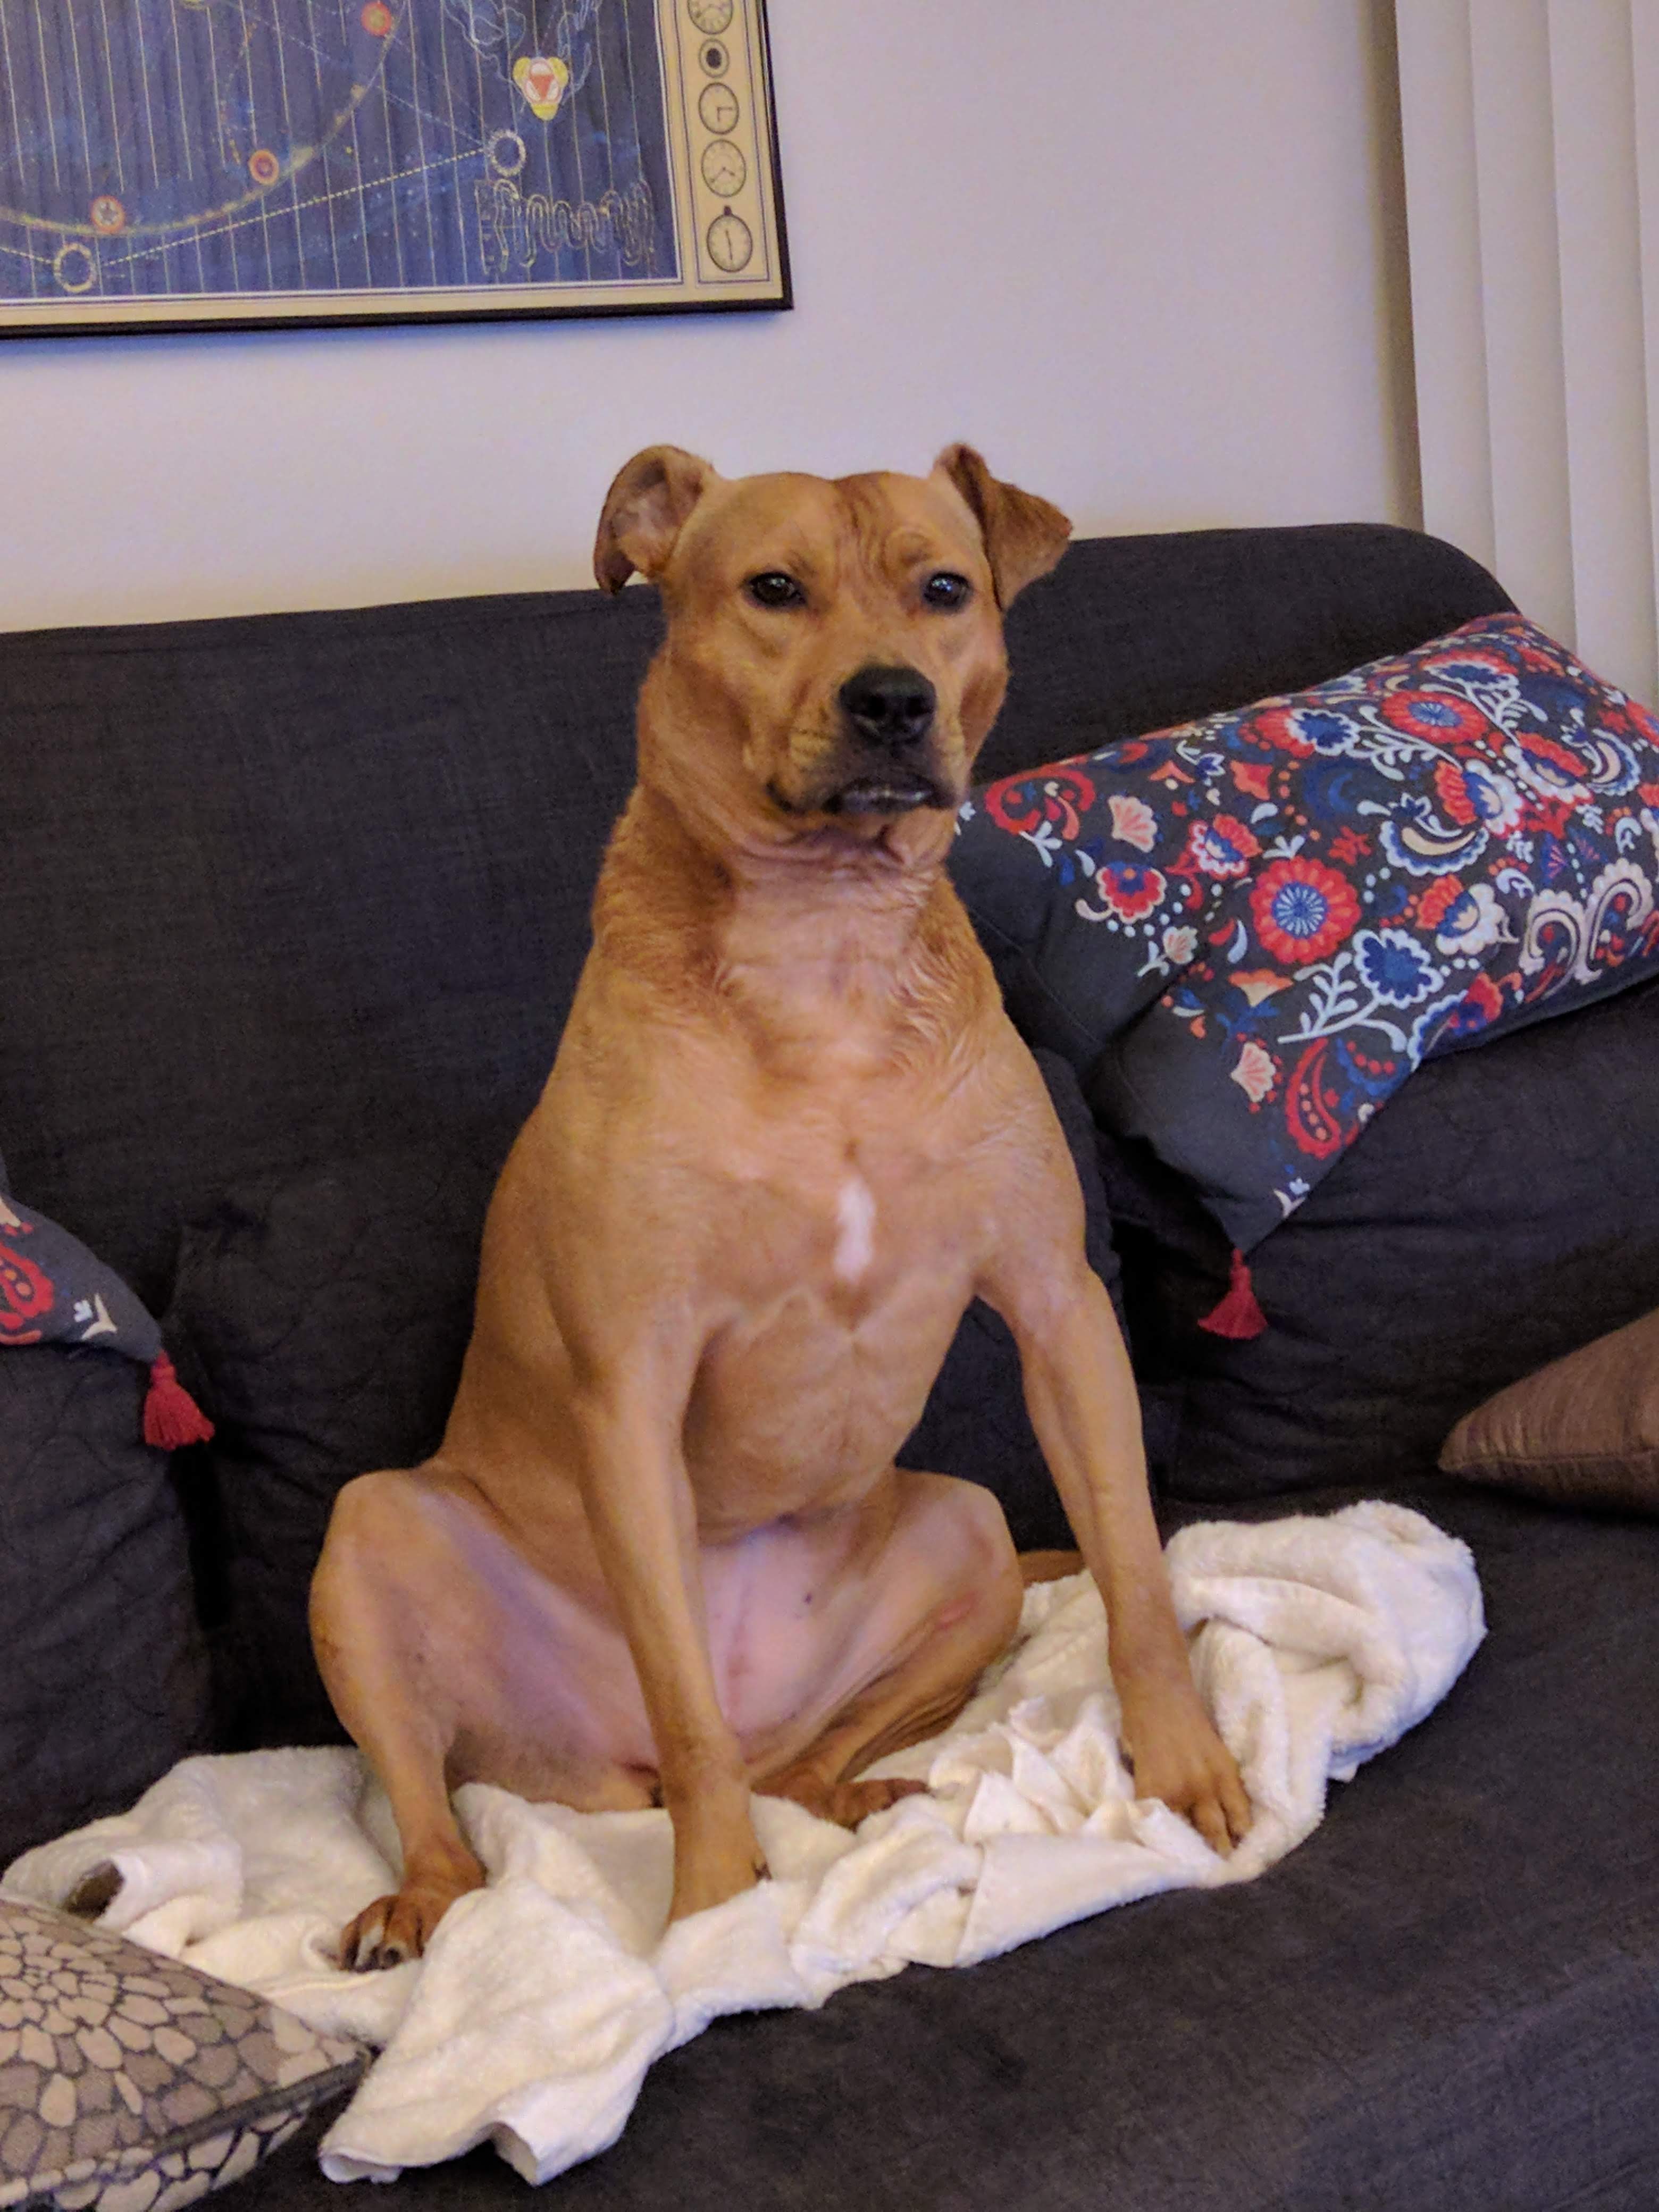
(855, 1222)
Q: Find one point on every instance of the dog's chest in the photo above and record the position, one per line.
(835, 1320)
(847, 1251)
(855, 1231)
(849, 1248)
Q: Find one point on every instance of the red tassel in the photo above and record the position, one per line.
(172, 1417)
(1238, 1317)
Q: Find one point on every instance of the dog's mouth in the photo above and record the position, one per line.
(883, 788)
(886, 791)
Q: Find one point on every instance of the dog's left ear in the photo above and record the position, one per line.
(645, 510)
(1024, 535)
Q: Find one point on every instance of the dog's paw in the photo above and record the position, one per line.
(398, 1928)
(1216, 1804)
(846, 1803)
(853, 1802)
(1178, 1756)
(389, 1932)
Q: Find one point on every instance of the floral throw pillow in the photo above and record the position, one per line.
(53, 1291)
(1257, 926)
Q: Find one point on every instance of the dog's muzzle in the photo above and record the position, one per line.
(887, 715)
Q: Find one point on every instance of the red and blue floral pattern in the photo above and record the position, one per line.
(53, 1291)
(1258, 925)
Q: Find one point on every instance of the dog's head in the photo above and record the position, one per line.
(834, 655)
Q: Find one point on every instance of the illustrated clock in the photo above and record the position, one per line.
(719, 108)
(724, 169)
(731, 242)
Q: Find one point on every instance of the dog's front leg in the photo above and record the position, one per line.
(642, 1515)
(1080, 1393)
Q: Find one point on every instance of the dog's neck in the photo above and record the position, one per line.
(823, 935)
(823, 942)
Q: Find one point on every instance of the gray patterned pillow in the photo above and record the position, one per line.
(130, 2083)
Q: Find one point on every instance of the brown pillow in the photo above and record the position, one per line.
(1585, 1430)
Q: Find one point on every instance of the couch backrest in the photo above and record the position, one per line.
(281, 883)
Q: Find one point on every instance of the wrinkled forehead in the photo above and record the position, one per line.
(884, 525)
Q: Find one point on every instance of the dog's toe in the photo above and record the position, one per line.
(359, 1946)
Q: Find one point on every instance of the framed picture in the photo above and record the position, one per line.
(171, 165)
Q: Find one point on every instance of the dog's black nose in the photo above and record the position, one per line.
(892, 707)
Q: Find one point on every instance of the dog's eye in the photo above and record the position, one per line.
(947, 589)
(772, 588)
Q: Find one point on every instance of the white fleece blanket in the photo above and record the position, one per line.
(545, 1996)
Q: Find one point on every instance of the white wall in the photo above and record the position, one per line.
(1145, 253)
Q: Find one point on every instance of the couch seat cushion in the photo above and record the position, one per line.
(1504, 1211)
(323, 1315)
(103, 1682)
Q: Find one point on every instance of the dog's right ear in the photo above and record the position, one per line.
(645, 510)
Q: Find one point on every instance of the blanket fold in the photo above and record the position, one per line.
(545, 1997)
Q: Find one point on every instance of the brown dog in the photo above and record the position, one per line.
(663, 1553)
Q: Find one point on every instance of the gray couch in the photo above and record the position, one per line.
(310, 891)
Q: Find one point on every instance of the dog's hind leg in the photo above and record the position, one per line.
(451, 1657)
(388, 1685)
(943, 1601)
(1049, 1566)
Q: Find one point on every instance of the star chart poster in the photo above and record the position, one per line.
(169, 164)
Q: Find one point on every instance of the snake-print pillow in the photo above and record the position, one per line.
(130, 2083)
